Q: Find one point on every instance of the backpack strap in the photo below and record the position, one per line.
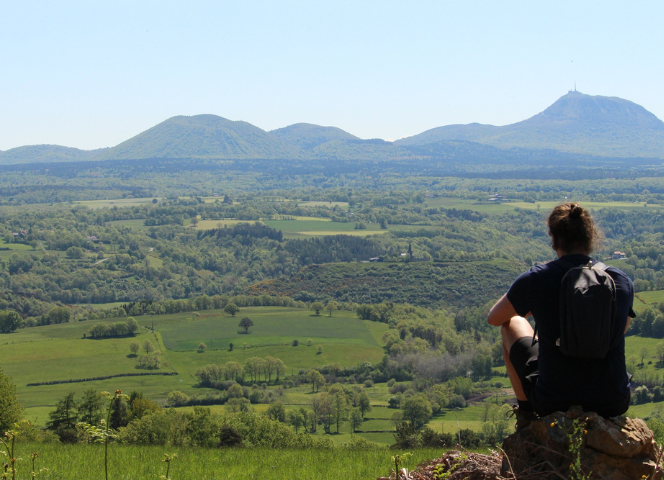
(600, 266)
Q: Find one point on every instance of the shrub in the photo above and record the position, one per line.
(229, 437)
(177, 399)
(360, 443)
(149, 362)
(160, 428)
(261, 431)
(398, 388)
(457, 401)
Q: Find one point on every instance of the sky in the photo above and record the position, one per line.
(91, 74)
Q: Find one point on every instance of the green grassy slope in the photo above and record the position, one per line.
(59, 352)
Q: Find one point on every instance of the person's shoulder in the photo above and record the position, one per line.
(544, 268)
(617, 274)
(537, 271)
(614, 270)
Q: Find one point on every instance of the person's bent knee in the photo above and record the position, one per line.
(514, 329)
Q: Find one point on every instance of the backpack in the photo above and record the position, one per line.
(587, 311)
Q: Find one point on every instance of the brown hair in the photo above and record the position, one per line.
(572, 228)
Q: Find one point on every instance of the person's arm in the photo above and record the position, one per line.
(503, 311)
(629, 319)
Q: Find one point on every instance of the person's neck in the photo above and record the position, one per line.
(562, 253)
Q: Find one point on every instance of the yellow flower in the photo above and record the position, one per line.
(553, 424)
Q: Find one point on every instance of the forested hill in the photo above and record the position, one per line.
(581, 125)
(308, 136)
(430, 284)
(47, 154)
(202, 136)
(578, 123)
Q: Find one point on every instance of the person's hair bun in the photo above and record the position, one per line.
(575, 211)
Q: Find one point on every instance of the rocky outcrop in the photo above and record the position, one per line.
(619, 448)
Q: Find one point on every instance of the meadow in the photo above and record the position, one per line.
(652, 296)
(115, 202)
(294, 227)
(136, 223)
(59, 352)
(130, 462)
(319, 227)
(8, 250)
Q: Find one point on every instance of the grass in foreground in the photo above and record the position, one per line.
(132, 462)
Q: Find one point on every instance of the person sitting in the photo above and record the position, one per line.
(543, 378)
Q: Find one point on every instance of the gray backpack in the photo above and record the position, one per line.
(587, 311)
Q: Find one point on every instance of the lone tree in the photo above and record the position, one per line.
(364, 404)
(644, 354)
(331, 306)
(148, 347)
(317, 307)
(417, 410)
(134, 347)
(246, 323)
(9, 321)
(231, 309)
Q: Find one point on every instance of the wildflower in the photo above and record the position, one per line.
(553, 424)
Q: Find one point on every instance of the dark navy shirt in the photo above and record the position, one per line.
(597, 385)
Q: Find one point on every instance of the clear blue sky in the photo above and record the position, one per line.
(91, 74)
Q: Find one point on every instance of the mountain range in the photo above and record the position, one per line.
(576, 124)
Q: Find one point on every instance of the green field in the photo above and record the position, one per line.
(116, 202)
(131, 462)
(343, 205)
(211, 224)
(136, 223)
(653, 296)
(298, 227)
(319, 227)
(14, 246)
(634, 344)
(59, 352)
